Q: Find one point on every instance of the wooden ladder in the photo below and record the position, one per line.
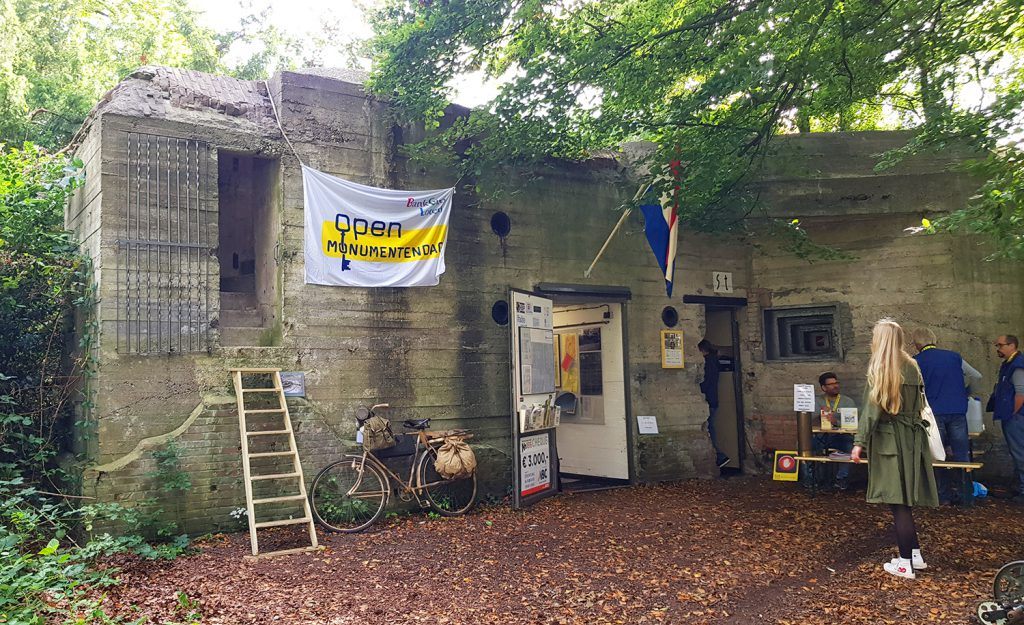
(295, 475)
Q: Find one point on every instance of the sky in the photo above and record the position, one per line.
(302, 18)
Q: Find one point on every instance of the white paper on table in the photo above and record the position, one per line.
(848, 418)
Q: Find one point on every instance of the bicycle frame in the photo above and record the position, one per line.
(423, 441)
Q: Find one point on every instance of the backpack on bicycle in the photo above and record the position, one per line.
(455, 459)
(377, 434)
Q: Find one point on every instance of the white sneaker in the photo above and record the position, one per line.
(916, 562)
(900, 568)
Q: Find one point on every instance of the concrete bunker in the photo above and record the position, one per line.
(233, 292)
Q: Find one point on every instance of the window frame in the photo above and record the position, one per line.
(814, 315)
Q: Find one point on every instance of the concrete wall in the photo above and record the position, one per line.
(941, 282)
(435, 352)
(428, 352)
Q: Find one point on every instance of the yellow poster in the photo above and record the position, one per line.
(787, 466)
(570, 365)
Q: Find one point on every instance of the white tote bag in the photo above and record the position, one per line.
(934, 438)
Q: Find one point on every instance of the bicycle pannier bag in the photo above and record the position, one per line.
(455, 459)
(377, 434)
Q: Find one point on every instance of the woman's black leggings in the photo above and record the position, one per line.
(906, 531)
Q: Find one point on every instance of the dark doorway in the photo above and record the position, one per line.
(248, 228)
(723, 331)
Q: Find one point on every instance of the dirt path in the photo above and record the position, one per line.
(732, 551)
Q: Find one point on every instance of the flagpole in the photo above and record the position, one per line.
(625, 214)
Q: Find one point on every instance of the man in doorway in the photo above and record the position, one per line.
(1006, 403)
(829, 405)
(709, 386)
(947, 378)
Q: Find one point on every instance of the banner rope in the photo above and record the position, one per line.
(277, 118)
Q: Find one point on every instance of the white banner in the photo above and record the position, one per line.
(364, 236)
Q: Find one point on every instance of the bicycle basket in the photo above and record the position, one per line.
(377, 434)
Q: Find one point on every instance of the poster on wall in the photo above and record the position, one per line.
(536, 368)
(672, 349)
(363, 236)
(647, 424)
(570, 362)
(535, 464)
(293, 383)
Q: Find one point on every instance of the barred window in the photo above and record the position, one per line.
(166, 245)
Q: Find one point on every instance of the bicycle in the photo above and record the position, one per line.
(351, 494)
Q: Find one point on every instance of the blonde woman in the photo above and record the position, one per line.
(891, 429)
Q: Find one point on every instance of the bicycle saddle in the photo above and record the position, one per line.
(417, 424)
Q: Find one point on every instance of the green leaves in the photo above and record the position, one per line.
(43, 572)
(713, 80)
(50, 548)
(58, 58)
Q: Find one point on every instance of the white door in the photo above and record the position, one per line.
(592, 441)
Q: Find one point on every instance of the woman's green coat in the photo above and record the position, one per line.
(899, 460)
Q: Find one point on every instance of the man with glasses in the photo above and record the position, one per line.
(829, 405)
(1006, 403)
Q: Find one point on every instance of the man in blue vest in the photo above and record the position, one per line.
(1006, 403)
(947, 377)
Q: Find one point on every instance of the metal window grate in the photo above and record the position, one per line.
(165, 251)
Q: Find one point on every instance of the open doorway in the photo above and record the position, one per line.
(590, 384)
(722, 330)
(248, 234)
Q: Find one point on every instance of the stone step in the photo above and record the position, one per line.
(238, 301)
(245, 318)
(235, 336)
(246, 283)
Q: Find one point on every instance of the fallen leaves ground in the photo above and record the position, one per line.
(743, 550)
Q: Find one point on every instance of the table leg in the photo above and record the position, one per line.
(809, 476)
(966, 488)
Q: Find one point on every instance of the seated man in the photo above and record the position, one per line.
(829, 403)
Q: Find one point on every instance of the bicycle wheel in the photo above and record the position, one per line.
(349, 495)
(449, 497)
(1009, 582)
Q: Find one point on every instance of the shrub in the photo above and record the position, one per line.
(48, 549)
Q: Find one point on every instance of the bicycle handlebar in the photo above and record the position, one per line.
(374, 408)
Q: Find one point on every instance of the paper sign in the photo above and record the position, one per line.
(803, 397)
(647, 424)
(535, 472)
(848, 418)
(672, 349)
(293, 383)
(721, 281)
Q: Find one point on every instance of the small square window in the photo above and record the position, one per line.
(806, 333)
